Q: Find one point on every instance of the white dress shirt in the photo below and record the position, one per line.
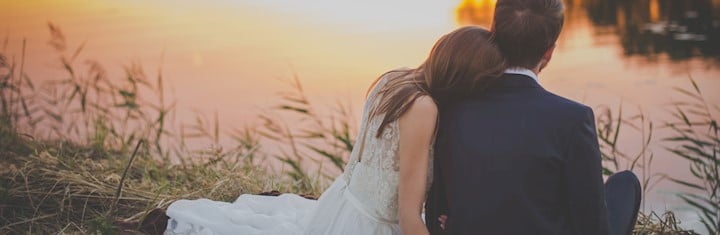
(522, 71)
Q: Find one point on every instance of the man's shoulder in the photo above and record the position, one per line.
(568, 107)
(565, 102)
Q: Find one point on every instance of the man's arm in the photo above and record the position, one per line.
(436, 203)
(587, 212)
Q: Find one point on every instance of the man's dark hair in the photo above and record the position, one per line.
(525, 29)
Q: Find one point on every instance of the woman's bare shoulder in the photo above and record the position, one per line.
(425, 105)
(422, 110)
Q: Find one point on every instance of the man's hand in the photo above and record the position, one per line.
(443, 220)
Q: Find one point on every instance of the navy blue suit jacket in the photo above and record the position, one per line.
(517, 159)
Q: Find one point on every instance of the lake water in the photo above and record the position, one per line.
(230, 56)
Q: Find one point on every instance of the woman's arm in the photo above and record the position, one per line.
(417, 127)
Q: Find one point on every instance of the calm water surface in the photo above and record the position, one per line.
(230, 56)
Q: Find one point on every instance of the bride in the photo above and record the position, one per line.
(383, 188)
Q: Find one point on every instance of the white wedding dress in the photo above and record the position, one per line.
(363, 200)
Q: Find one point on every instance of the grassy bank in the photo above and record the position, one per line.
(65, 188)
(59, 187)
(62, 187)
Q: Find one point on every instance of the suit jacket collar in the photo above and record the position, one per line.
(516, 80)
(523, 71)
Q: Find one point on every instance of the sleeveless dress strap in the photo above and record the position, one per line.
(364, 127)
(360, 148)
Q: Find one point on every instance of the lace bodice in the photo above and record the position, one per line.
(372, 172)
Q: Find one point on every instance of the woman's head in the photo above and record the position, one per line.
(460, 63)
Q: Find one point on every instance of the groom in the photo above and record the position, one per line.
(515, 158)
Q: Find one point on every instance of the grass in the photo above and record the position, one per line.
(652, 223)
(64, 187)
(696, 139)
(86, 151)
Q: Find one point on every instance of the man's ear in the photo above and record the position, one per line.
(549, 53)
(546, 58)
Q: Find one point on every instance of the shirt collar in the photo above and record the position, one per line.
(522, 71)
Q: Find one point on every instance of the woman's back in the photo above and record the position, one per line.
(370, 180)
(373, 167)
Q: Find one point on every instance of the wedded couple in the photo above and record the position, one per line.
(470, 129)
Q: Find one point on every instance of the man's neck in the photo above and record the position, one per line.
(536, 71)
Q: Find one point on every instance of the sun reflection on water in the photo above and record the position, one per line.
(475, 12)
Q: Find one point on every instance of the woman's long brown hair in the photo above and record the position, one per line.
(462, 62)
